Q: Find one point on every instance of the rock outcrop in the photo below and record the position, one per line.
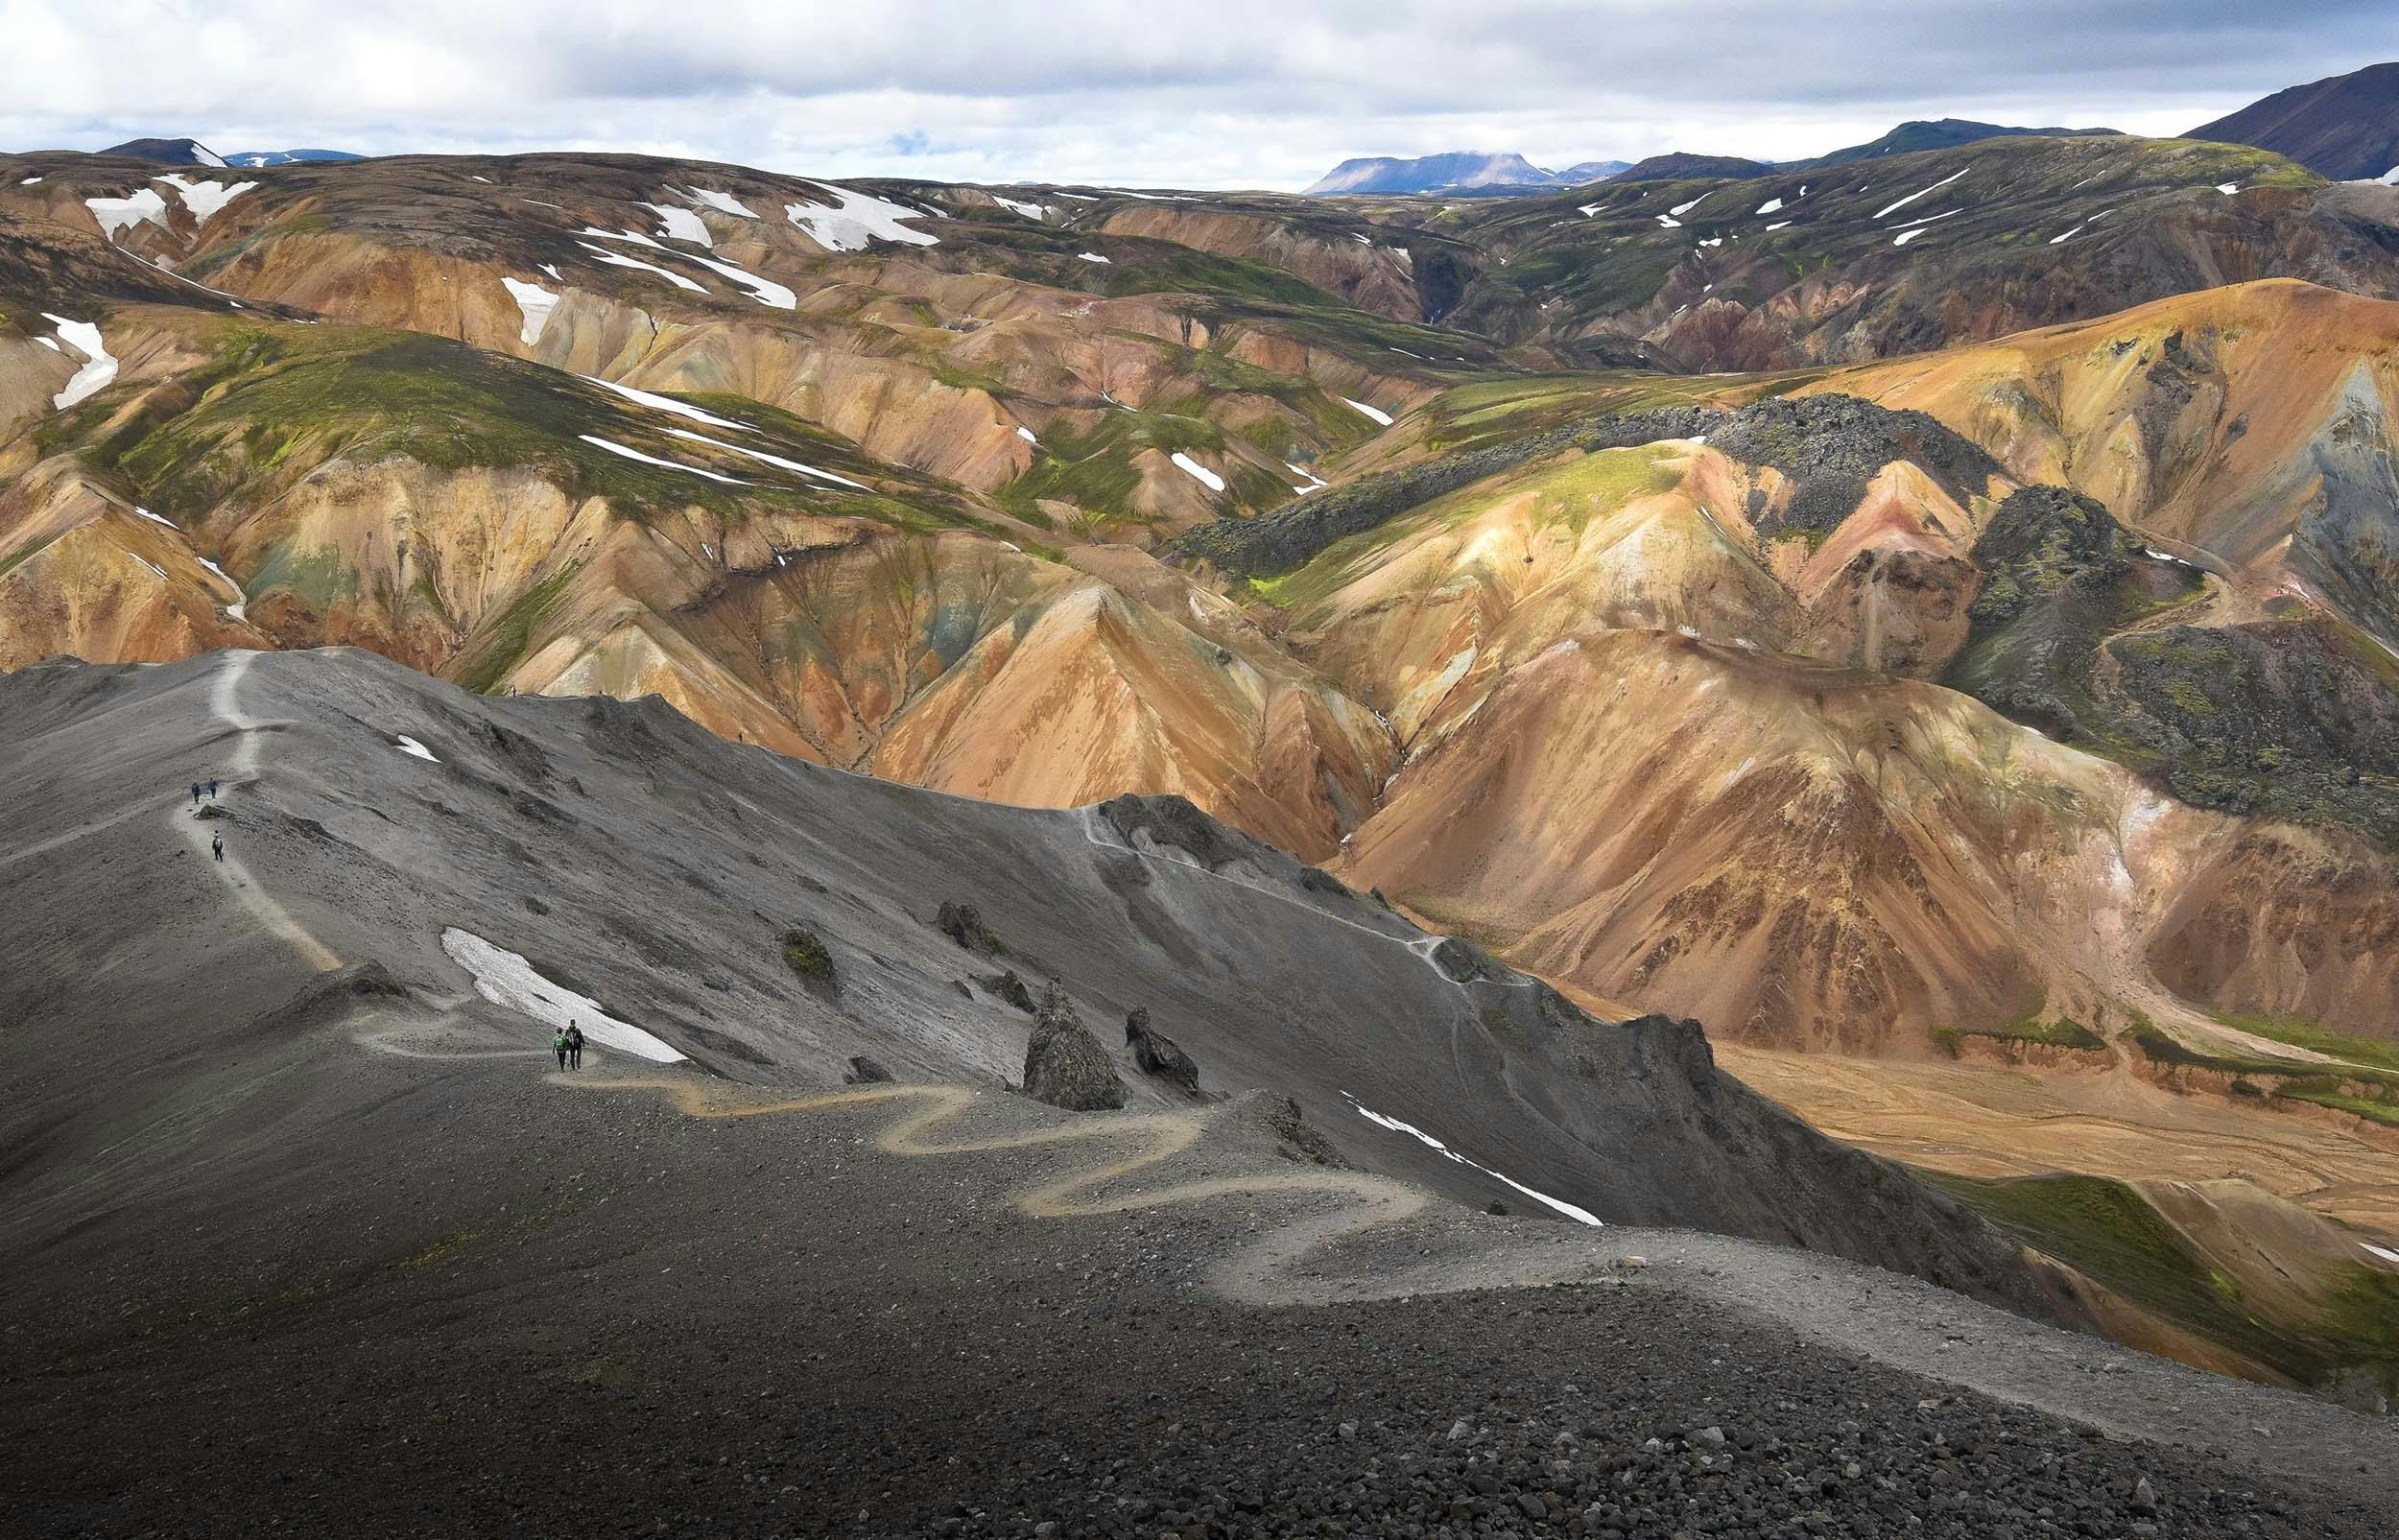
(1064, 1064)
(1157, 1054)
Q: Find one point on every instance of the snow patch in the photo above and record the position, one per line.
(721, 203)
(551, 269)
(2227, 188)
(634, 236)
(855, 220)
(1094, 257)
(1670, 224)
(1779, 225)
(1769, 206)
(2383, 1251)
(160, 570)
(681, 224)
(29, 182)
(1680, 209)
(666, 403)
(1032, 211)
(2060, 240)
(1381, 417)
(615, 448)
(776, 461)
(1905, 236)
(1581, 1216)
(115, 214)
(1893, 209)
(617, 259)
(156, 519)
(535, 303)
(506, 979)
(50, 343)
(99, 367)
(765, 291)
(205, 198)
(1026, 434)
(1586, 210)
(410, 746)
(1198, 472)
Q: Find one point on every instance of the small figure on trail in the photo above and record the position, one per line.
(216, 846)
(574, 1046)
(212, 789)
(195, 793)
(557, 1045)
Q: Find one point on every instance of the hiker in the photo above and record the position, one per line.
(557, 1045)
(195, 793)
(216, 846)
(574, 1046)
(212, 788)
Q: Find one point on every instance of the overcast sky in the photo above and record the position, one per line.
(1219, 93)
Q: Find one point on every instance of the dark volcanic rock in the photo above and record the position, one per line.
(1064, 1064)
(1157, 1054)
(2043, 541)
(1831, 446)
(864, 1071)
(963, 923)
(1010, 988)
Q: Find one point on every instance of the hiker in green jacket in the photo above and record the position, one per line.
(558, 1044)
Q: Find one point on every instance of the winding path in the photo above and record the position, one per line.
(226, 701)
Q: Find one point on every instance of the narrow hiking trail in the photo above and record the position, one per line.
(1261, 1269)
(224, 701)
(1423, 947)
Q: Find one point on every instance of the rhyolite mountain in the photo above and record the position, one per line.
(1939, 133)
(167, 152)
(1463, 172)
(2344, 126)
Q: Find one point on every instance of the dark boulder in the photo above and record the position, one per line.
(1065, 1065)
(1157, 1054)
(1010, 988)
(864, 1071)
(963, 923)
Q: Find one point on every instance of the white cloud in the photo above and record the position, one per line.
(1240, 93)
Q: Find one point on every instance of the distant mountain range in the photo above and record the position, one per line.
(192, 153)
(286, 158)
(1463, 172)
(1472, 173)
(2345, 127)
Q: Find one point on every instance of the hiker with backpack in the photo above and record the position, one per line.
(557, 1045)
(574, 1046)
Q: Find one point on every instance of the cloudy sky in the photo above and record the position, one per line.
(1225, 93)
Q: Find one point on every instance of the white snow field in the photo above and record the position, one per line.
(99, 367)
(1094, 257)
(721, 203)
(1581, 1216)
(410, 746)
(118, 213)
(1379, 415)
(205, 198)
(1198, 472)
(535, 303)
(765, 291)
(776, 461)
(666, 403)
(615, 448)
(1030, 210)
(616, 259)
(679, 224)
(506, 979)
(855, 220)
(1890, 209)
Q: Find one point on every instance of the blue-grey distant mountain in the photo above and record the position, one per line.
(1943, 134)
(2345, 127)
(286, 157)
(167, 152)
(1466, 172)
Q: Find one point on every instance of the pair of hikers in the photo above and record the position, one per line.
(212, 793)
(569, 1046)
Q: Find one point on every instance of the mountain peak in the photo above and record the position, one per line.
(1455, 170)
(167, 152)
(2344, 126)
